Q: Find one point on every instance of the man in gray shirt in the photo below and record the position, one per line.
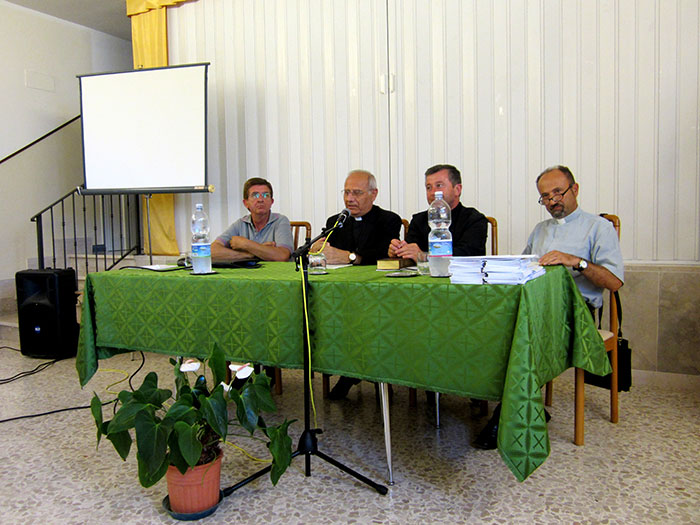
(261, 234)
(584, 242)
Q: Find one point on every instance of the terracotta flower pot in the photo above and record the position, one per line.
(196, 490)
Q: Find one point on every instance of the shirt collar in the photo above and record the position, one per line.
(571, 217)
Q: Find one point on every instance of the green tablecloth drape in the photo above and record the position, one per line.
(492, 342)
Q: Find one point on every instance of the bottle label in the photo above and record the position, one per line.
(201, 250)
(441, 248)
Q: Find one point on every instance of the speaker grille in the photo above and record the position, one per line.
(46, 302)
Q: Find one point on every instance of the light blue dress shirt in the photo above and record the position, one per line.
(584, 235)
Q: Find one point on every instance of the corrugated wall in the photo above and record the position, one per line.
(303, 91)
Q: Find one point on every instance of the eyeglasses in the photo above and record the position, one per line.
(554, 197)
(356, 193)
(257, 195)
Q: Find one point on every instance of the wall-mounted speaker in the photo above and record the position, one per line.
(46, 302)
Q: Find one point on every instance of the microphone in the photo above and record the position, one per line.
(343, 217)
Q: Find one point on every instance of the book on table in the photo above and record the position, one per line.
(394, 263)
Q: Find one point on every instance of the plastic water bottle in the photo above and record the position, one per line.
(201, 248)
(440, 237)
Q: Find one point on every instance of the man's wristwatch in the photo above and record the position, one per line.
(582, 265)
(352, 257)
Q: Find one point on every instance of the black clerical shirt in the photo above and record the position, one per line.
(368, 236)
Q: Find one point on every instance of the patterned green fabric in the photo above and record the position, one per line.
(490, 342)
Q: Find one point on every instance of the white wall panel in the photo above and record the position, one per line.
(304, 90)
(293, 97)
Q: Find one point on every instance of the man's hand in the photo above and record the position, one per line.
(403, 250)
(555, 257)
(315, 247)
(598, 275)
(239, 243)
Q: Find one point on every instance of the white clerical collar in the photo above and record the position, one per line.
(572, 216)
(357, 218)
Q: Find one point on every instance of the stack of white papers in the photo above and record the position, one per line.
(496, 269)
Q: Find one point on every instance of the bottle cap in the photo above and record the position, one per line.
(199, 206)
(438, 195)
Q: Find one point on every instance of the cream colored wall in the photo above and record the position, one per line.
(55, 52)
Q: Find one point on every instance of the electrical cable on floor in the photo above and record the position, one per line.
(52, 412)
(10, 348)
(43, 366)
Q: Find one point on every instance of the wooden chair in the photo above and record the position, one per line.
(610, 341)
(296, 230)
(483, 405)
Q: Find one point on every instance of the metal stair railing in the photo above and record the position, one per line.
(110, 230)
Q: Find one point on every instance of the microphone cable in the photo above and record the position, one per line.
(325, 239)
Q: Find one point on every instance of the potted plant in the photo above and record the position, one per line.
(182, 435)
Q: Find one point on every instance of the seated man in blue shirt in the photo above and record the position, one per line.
(586, 243)
(261, 234)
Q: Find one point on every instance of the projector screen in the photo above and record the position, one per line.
(144, 131)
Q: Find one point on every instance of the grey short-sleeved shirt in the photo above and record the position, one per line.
(276, 230)
(584, 235)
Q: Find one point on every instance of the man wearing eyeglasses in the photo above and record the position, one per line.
(366, 234)
(261, 234)
(584, 242)
(363, 239)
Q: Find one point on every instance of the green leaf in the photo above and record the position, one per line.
(122, 443)
(190, 447)
(96, 410)
(175, 457)
(280, 446)
(245, 415)
(151, 440)
(257, 394)
(217, 363)
(182, 410)
(215, 411)
(124, 418)
(147, 477)
(149, 385)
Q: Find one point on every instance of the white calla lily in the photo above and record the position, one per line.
(190, 365)
(240, 370)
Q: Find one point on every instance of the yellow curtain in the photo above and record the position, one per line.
(136, 7)
(149, 38)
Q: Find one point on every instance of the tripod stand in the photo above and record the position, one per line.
(308, 442)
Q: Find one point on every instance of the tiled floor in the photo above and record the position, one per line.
(643, 470)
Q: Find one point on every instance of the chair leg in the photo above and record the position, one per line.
(548, 394)
(411, 397)
(578, 410)
(278, 381)
(326, 385)
(614, 409)
(437, 409)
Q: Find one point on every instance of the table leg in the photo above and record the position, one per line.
(384, 394)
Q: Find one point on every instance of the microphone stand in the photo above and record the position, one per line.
(308, 442)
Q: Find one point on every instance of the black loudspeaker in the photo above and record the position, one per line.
(46, 302)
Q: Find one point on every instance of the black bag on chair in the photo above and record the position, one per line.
(624, 360)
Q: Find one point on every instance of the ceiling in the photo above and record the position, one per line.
(108, 16)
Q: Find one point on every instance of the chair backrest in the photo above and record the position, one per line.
(296, 228)
(405, 228)
(613, 320)
(494, 235)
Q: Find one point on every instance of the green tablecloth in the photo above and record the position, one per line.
(484, 341)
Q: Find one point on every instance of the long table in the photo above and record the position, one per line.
(494, 342)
